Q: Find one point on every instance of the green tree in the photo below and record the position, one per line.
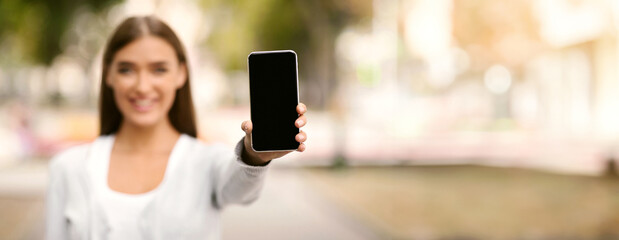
(31, 30)
(308, 27)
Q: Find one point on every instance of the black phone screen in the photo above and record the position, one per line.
(273, 93)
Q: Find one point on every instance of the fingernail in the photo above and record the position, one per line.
(299, 122)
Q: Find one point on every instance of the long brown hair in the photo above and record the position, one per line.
(181, 113)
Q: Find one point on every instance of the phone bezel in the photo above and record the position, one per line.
(296, 62)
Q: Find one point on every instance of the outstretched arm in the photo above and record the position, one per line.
(240, 180)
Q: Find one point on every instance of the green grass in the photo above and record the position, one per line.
(472, 202)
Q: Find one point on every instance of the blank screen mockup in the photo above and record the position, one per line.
(273, 99)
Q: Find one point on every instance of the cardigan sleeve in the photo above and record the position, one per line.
(235, 181)
(56, 225)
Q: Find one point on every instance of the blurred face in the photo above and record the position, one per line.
(145, 75)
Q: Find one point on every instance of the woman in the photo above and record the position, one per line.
(146, 176)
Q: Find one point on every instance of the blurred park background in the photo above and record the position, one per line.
(428, 119)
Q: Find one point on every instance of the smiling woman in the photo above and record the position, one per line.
(147, 176)
(160, 53)
(144, 77)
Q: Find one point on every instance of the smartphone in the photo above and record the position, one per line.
(273, 96)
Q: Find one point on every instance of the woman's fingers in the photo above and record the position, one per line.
(301, 147)
(247, 127)
(301, 108)
(301, 121)
(301, 137)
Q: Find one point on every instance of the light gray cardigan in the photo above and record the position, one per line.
(199, 181)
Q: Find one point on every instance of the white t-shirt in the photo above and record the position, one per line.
(198, 182)
(123, 211)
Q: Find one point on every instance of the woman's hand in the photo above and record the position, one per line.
(252, 157)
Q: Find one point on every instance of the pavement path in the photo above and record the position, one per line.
(288, 209)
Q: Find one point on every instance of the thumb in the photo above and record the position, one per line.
(247, 127)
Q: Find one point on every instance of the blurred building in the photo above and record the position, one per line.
(510, 83)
